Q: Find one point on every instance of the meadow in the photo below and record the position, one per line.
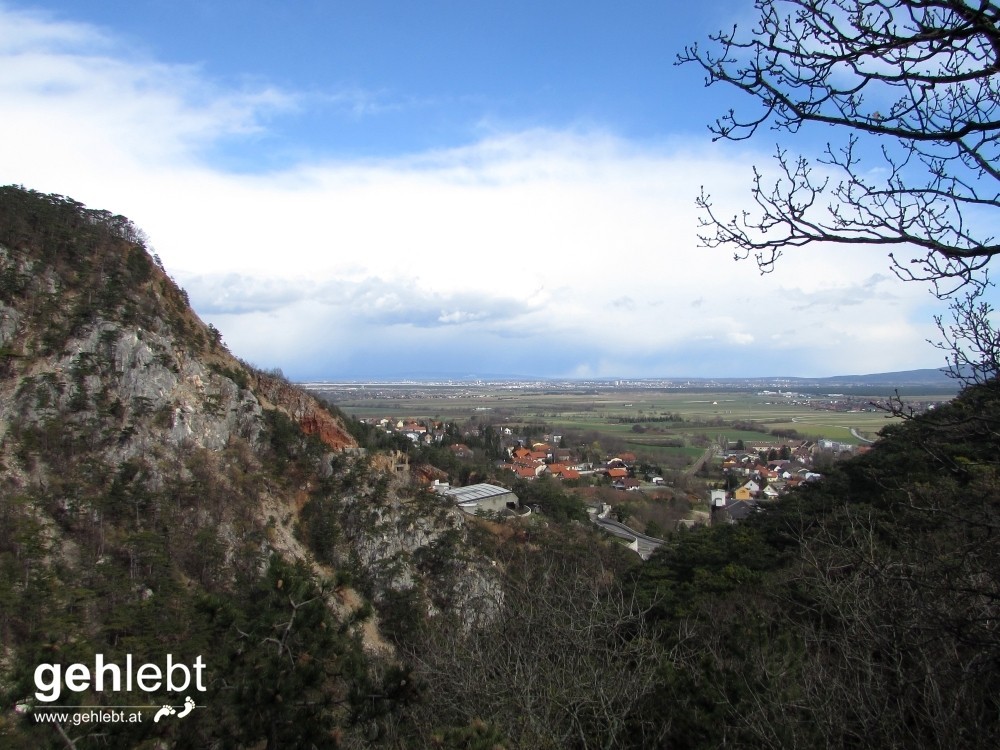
(660, 424)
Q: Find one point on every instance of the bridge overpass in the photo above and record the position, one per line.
(644, 545)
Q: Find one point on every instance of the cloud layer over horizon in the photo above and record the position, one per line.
(559, 251)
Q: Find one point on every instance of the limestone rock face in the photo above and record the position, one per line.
(9, 321)
(130, 365)
(137, 391)
(410, 541)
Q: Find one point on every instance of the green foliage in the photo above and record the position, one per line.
(318, 526)
(554, 503)
(791, 628)
(437, 456)
(492, 443)
(97, 263)
(287, 442)
(400, 614)
(138, 266)
(284, 659)
(237, 374)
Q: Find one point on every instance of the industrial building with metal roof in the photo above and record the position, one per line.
(483, 497)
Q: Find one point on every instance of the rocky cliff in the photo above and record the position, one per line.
(158, 495)
(308, 414)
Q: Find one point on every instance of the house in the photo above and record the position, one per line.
(738, 510)
(460, 450)
(748, 491)
(527, 471)
(562, 472)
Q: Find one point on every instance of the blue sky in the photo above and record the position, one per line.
(382, 189)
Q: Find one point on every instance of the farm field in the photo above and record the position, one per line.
(657, 424)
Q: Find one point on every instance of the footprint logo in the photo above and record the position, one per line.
(166, 710)
(188, 708)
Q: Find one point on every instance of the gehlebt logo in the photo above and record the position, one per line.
(52, 681)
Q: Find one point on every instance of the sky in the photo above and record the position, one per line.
(375, 190)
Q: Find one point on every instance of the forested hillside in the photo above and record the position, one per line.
(159, 496)
(861, 611)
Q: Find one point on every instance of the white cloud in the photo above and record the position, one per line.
(573, 252)
(29, 32)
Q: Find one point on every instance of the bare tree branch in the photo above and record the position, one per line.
(917, 78)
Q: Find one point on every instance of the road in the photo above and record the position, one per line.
(862, 439)
(705, 458)
(647, 545)
(852, 430)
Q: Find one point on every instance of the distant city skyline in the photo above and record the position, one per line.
(370, 189)
(933, 378)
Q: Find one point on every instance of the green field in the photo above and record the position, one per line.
(652, 429)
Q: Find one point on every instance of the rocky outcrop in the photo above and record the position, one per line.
(311, 417)
(427, 474)
(137, 371)
(131, 391)
(413, 541)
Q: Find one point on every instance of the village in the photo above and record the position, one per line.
(729, 482)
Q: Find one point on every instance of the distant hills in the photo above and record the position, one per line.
(930, 378)
(927, 376)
